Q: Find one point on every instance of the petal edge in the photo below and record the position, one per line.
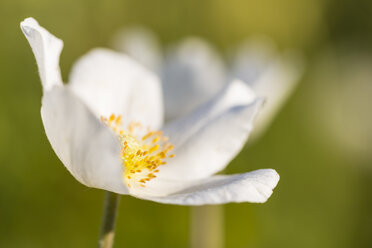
(47, 49)
(255, 187)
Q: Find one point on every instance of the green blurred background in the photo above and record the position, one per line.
(324, 196)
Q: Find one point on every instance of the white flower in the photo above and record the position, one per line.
(102, 125)
(192, 71)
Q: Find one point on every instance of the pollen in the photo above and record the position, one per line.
(143, 151)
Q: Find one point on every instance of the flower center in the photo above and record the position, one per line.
(141, 154)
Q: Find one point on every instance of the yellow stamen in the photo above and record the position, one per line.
(141, 156)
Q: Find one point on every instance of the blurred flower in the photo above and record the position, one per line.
(102, 125)
(141, 44)
(270, 74)
(192, 71)
(342, 97)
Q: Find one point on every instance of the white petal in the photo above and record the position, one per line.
(85, 146)
(192, 73)
(112, 83)
(271, 75)
(209, 138)
(140, 44)
(47, 49)
(256, 187)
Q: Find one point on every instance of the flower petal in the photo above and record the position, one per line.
(192, 73)
(112, 83)
(47, 49)
(256, 186)
(85, 146)
(140, 44)
(271, 75)
(206, 140)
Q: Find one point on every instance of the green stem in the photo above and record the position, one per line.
(110, 207)
(207, 227)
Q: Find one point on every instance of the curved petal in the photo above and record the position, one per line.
(47, 49)
(192, 73)
(140, 44)
(85, 146)
(256, 186)
(206, 140)
(112, 83)
(271, 75)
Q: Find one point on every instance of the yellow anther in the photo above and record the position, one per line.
(151, 158)
(141, 156)
(154, 148)
(170, 147)
(118, 120)
(156, 139)
(148, 135)
(161, 154)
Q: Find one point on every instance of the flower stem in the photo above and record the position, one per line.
(111, 203)
(207, 227)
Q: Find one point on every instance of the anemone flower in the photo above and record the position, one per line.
(106, 126)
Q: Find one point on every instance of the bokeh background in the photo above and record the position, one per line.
(320, 142)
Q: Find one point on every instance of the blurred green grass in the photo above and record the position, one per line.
(322, 200)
